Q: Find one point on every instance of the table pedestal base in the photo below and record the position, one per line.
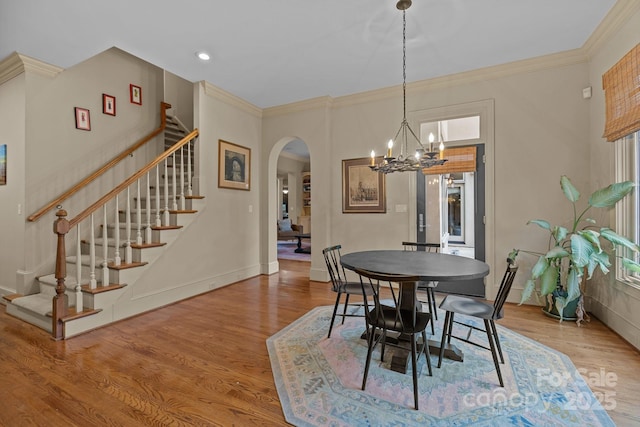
(400, 359)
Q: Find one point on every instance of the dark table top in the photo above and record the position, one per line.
(426, 265)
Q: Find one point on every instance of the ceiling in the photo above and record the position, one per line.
(281, 51)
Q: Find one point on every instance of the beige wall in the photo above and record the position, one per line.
(541, 121)
(12, 196)
(614, 303)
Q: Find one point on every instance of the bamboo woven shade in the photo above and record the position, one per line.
(459, 159)
(622, 96)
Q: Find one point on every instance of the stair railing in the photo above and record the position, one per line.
(165, 203)
(106, 167)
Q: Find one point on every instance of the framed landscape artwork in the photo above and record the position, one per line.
(3, 164)
(83, 120)
(363, 190)
(234, 166)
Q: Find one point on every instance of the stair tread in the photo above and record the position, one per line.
(38, 303)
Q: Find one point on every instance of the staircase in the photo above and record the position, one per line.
(115, 242)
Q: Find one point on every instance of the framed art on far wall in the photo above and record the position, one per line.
(83, 121)
(3, 164)
(234, 166)
(363, 190)
(108, 104)
(135, 94)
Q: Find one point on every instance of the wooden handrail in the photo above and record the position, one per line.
(163, 122)
(133, 178)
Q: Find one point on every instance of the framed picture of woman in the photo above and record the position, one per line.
(234, 166)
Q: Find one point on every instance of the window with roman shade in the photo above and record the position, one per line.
(621, 86)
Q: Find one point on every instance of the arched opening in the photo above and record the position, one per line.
(289, 202)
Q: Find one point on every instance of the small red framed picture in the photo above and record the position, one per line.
(83, 120)
(108, 104)
(135, 93)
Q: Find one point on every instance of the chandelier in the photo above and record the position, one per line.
(423, 157)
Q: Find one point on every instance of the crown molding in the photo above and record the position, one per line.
(231, 99)
(16, 64)
(619, 14)
(296, 107)
(529, 65)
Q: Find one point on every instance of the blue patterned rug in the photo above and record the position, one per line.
(318, 382)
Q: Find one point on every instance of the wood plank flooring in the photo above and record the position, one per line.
(204, 361)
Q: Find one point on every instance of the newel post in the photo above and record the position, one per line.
(60, 227)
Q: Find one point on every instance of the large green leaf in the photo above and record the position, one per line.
(631, 265)
(608, 196)
(557, 252)
(593, 237)
(559, 233)
(561, 302)
(568, 189)
(581, 250)
(539, 268)
(573, 284)
(541, 222)
(598, 260)
(549, 280)
(529, 287)
(617, 239)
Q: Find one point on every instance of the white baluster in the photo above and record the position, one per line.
(147, 230)
(158, 201)
(182, 177)
(116, 234)
(138, 216)
(92, 256)
(79, 307)
(128, 253)
(173, 183)
(165, 218)
(105, 248)
(189, 159)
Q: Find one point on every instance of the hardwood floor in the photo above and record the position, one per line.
(204, 361)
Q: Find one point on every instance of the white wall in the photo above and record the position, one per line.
(612, 302)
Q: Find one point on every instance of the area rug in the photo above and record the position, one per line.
(318, 382)
(286, 250)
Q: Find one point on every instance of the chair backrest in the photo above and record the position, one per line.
(336, 270)
(421, 246)
(405, 310)
(505, 286)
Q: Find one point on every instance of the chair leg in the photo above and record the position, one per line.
(427, 352)
(346, 304)
(487, 327)
(432, 297)
(333, 316)
(497, 340)
(371, 344)
(415, 370)
(432, 311)
(445, 328)
(450, 331)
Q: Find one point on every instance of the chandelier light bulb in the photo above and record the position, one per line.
(389, 147)
(373, 158)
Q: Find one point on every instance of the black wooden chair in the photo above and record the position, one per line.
(402, 317)
(426, 287)
(341, 286)
(480, 309)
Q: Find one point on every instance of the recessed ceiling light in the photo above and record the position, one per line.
(203, 56)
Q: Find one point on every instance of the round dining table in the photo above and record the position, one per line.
(428, 266)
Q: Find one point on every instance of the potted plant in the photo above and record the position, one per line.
(575, 253)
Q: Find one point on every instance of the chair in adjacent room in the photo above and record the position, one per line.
(426, 287)
(341, 286)
(479, 309)
(402, 316)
